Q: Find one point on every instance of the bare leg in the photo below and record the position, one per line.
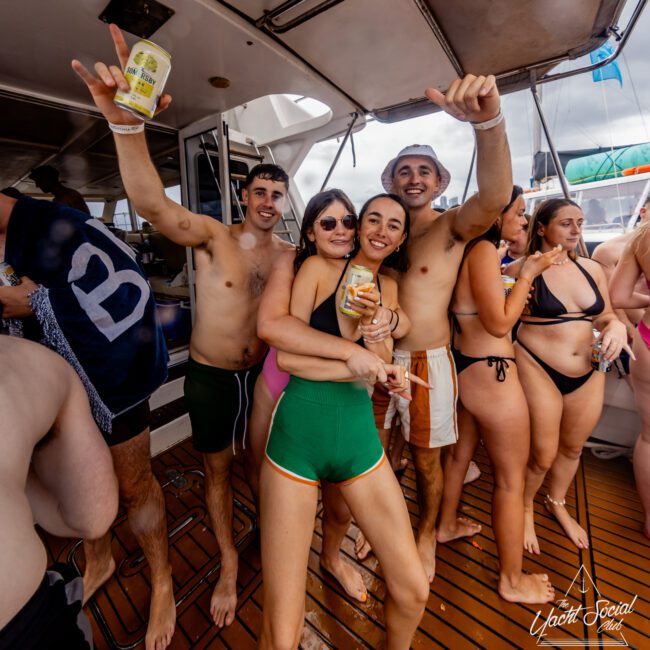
(336, 521)
(640, 370)
(642, 474)
(545, 405)
(257, 434)
(143, 499)
(218, 498)
(428, 473)
(288, 510)
(362, 546)
(398, 463)
(501, 413)
(378, 505)
(456, 462)
(582, 410)
(100, 564)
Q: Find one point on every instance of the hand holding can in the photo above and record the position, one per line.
(598, 361)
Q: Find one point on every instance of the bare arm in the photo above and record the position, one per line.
(623, 281)
(499, 313)
(71, 485)
(139, 176)
(287, 333)
(476, 99)
(144, 188)
(604, 256)
(367, 304)
(314, 368)
(612, 330)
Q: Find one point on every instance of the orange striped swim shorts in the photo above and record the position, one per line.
(429, 419)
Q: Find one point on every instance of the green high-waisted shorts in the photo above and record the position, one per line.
(324, 431)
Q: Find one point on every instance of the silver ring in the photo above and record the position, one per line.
(406, 375)
(374, 321)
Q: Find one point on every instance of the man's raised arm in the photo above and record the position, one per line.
(140, 178)
(476, 100)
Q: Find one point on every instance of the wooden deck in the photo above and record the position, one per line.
(464, 609)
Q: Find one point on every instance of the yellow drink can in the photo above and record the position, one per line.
(358, 279)
(146, 71)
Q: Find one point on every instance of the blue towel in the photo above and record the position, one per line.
(95, 305)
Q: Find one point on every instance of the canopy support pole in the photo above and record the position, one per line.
(556, 159)
(355, 116)
(469, 173)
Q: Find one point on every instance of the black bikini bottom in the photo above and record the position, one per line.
(563, 383)
(501, 364)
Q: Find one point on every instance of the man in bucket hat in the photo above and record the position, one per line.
(435, 252)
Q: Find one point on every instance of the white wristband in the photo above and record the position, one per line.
(489, 124)
(126, 129)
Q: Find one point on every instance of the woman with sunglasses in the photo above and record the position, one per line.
(492, 405)
(272, 381)
(323, 430)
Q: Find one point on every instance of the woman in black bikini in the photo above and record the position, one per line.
(553, 352)
(492, 404)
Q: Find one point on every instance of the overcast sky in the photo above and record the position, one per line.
(580, 113)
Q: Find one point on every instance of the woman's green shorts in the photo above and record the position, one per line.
(324, 431)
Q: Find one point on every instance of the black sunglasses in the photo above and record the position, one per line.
(328, 224)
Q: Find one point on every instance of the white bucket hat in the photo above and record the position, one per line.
(416, 150)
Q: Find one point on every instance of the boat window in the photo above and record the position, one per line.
(533, 202)
(611, 204)
(96, 208)
(121, 216)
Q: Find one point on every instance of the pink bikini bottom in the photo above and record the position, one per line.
(644, 330)
(275, 379)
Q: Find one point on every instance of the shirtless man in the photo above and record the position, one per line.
(55, 470)
(435, 252)
(28, 228)
(232, 266)
(608, 254)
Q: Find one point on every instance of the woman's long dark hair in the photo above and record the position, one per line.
(398, 259)
(545, 211)
(493, 233)
(317, 203)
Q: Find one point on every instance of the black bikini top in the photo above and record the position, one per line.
(544, 304)
(324, 318)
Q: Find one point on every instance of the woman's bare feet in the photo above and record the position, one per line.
(530, 538)
(347, 576)
(473, 472)
(573, 530)
(162, 613)
(362, 548)
(462, 527)
(95, 575)
(427, 549)
(224, 597)
(532, 589)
